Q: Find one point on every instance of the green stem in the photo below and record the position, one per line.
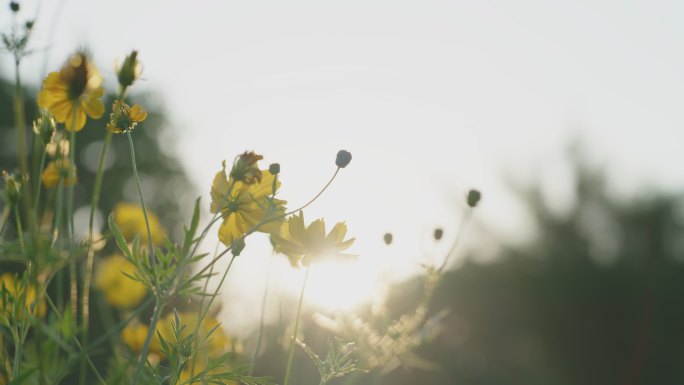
(158, 307)
(261, 318)
(58, 209)
(20, 231)
(87, 276)
(205, 310)
(38, 174)
(5, 217)
(83, 352)
(293, 342)
(70, 190)
(201, 306)
(17, 354)
(20, 123)
(142, 199)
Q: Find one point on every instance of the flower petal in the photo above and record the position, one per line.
(92, 106)
(137, 114)
(337, 233)
(77, 124)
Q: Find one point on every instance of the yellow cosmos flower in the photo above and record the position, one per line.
(120, 290)
(59, 169)
(304, 245)
(73, 93)
(124, 118)
(131, 221)
(243, 206)
(133, 335)
(15, 289)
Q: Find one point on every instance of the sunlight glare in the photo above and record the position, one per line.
(343, 286)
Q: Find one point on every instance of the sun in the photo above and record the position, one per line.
(340, 286)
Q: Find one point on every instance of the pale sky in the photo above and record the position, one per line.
(431, 98)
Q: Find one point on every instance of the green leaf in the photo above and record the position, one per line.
(118, 237)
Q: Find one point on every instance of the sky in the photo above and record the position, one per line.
(432, 98)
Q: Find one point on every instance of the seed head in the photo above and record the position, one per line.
(438, 234)
(343, 158)
(473, 198)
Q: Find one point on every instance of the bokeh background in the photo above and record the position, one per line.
(566, 115)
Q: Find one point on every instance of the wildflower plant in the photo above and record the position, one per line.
(150, 291)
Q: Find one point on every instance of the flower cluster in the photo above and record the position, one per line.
(13, 292)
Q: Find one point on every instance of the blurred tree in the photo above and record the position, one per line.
(168, 191)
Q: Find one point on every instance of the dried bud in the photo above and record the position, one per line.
(343, 158)
(14, 6)
(12, 188)
(245, 168)
(274, 168)
(43, 126)
(473, 198)
(388, 238)
(129, 71)
(438, 234)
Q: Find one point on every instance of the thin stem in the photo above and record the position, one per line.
(261, 318)
(158, 307)
(20, 231)
(142, 199)
(17, 355)
(465, 219)
(316, 197)
(73, 290)
(20, 123)
(58, 209)
(87, 275)
(201, 306)
(70, 190)
(204, 311)
(78, 344)
(38, 174)
(5, 217)
(293, 342)
(19, 334)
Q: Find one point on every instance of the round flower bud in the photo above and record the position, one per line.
(274, 168)
(14, 6)
(237, 246)
(343, 158)
(29, 24)
(473, 198)
(438, 234)
(388, 238)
